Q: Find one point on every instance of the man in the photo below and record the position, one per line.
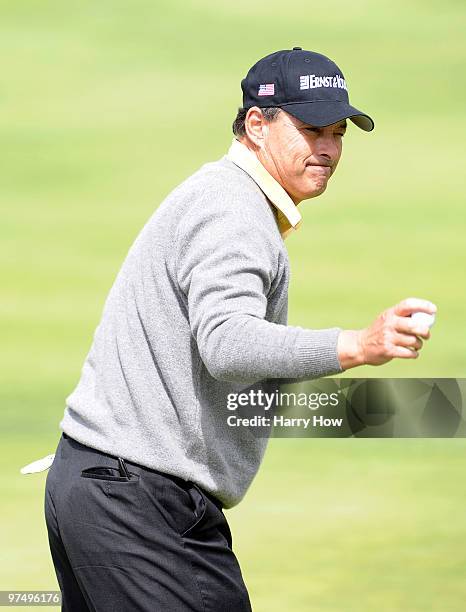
(146, 464)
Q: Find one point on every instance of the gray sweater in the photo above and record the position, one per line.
(197, 311)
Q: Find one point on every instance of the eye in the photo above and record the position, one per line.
(315, 130)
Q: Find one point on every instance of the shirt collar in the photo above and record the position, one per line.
(288, 216)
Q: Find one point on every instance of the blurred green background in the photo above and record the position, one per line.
(104, 108)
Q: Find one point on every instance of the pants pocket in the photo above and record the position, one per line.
(180, 502)
(199, 508)
(108, 473)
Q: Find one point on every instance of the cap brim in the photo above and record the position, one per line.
(326, 112)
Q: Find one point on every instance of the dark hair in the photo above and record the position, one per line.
(269, 113)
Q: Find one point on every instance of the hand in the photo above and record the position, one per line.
(392, 334)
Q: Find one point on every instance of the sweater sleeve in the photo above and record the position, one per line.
(226, 265)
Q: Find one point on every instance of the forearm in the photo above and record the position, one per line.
(245, 348)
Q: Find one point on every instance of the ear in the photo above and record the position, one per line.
(255, 126)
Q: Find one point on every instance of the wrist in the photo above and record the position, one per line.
(350, 353)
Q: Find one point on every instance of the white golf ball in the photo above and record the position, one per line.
(423, 319)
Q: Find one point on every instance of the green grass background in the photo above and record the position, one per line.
(104, 108)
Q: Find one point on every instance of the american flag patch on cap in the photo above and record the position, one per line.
(266, 90)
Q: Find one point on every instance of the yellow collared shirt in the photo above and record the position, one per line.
(288, 216)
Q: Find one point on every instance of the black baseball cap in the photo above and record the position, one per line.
(305, 84)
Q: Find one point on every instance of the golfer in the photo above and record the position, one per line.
(146, 463)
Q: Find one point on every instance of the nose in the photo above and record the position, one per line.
(328, 148)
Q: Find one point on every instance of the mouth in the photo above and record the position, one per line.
(326, 170)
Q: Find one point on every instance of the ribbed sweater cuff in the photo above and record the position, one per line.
(316, 352)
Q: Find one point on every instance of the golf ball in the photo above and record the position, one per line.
(423, 319)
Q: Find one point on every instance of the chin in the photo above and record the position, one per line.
(315, 191)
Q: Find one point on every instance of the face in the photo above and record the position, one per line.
(299, 156)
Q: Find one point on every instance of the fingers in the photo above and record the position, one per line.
(405, 353)
(408, 306)
(408, 341)
(405, 325)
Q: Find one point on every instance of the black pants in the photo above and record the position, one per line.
(150, 542)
